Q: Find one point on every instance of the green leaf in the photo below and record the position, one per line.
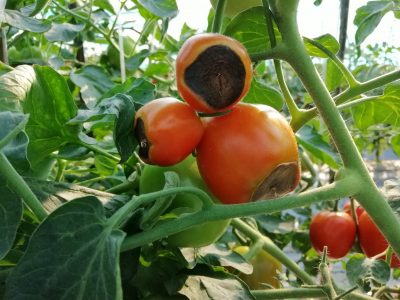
(63, 32)
(14, 87)
(261, 93)
(73, 254)
(105, 4)
(18, 20)
(313, 142)
(368, 18)
(10, 216)
(395, 143)
(38, 6)
(4, 68)
(334, 76)
(104, 165)
(133, 63)
(249, 28)
(93, 81)
(50, 106)
(327, 41)
(358, 267)
(161, 8)
(382, 110)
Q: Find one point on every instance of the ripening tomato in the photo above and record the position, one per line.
(248, 154)
(167, 130)
(336, 230)
(213, 72)
(234, 7)
(358, 207)
(152, 179)
(265, 269)
(371, 239)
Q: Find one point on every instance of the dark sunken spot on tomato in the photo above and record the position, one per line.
(144, 145)
(217, 75)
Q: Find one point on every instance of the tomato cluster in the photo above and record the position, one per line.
(338, 231)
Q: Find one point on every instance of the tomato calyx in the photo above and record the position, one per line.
(282, 180)
(217, 75)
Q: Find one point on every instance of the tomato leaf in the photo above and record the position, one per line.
(10, 217)
(327, 41)
(383, 110)
(334, 77)
(261, 93)
(161, 8)
(369, 16)
(249, 28)
(93, 81)
(73, 255)
(359, 267)
(18, 20)
(313, 142)
(395, 143)
(38, 6)
(63, 32)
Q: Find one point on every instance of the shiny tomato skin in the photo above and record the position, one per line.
(190, 52)
(371, 239)
(242, 148)
(169, 129)
(336, 230)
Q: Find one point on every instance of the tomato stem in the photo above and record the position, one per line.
(219, 14)
(290, 293)
(326, 275)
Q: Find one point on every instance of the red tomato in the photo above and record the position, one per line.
(336, 230)
(167, 130)
(372, 240)
(358, 207)
(248, 154)
(213, 72)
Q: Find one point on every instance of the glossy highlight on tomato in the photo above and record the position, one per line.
(167, 130)
(213, 72)
(371, 239)
(152, 179)
(248, 154)
(336, 230)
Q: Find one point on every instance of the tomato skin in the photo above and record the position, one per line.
(336, 230)
(167, 130)
(191, 53)
(242, 149)
(358, 207)
(265, 269)
(152, 180)
(234, 7)
(371, 239)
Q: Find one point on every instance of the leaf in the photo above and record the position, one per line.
(382, 110)
(358, 267)
(10, 216)
(249, 28)
(312, 141)
(133, 63)
(14, 87)
(18, 20)
(4, 68)
(105, 4)
(50, 106)
(395, 143)
(93, 81)
(334, 76)
(261, 93)
(327, 41)
(368, 18)
(73, 254)
(38, 6)
(161, 8)
(63, 32)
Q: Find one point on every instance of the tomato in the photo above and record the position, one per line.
(167, 130)
(371, 239)
(233, 7)
(358, 207)
(265, 269)
(336, 230)
(152, 179)
(248, 154)
(213, 72)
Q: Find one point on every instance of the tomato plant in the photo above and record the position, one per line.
(213, 72)
(152, 179)
(167, 130)
(248, 154)
(233, 7)
(336, 230)
(358, 208)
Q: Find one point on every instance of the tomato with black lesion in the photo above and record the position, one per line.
(213, 72)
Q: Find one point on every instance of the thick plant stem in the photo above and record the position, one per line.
(19, 186)
(219, 14)
(293, 293)
(3, 46)
(369, 196)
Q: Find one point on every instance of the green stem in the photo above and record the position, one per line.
(357, 101)
(219, 14)
(13, 134)
(326, 276)
(339, 189)
(62, 164)
(351, 80)
(19, 186)
(369, 196)
(289, 293)
(101, 151)
(123, 187)
(3, 46)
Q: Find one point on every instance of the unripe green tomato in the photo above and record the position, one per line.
(152, 179)
(113, 54)
(234, 7)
